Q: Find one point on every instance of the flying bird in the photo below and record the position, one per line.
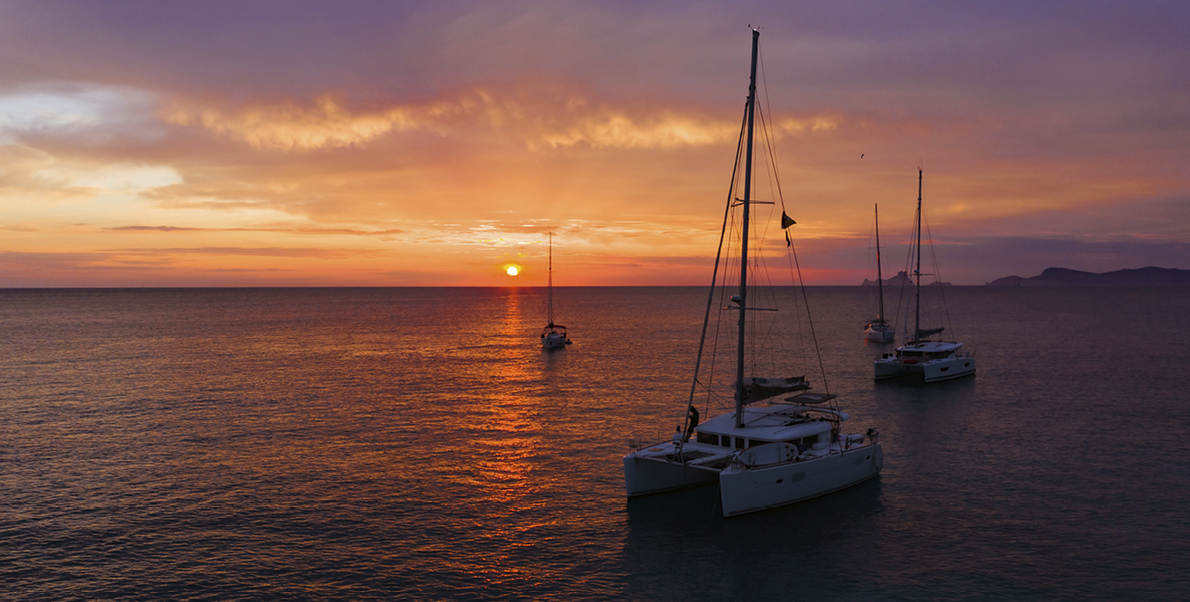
(861, 155)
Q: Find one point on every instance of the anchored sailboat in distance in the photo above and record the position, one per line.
(761, 456)
(933, 360)
(879, 330)
(553, 335)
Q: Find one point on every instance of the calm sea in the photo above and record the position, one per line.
(418, 444)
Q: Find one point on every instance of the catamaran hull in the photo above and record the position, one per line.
(931, 370)
(644, 476)
(955, 367)
(751, 489)
(889, 368)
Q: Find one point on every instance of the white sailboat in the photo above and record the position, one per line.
(761, 456)
(921, 355)
(879, 330)
(553, 335)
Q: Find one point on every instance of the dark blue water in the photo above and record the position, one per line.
(418, 444)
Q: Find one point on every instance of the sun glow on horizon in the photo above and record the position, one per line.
(513, 270)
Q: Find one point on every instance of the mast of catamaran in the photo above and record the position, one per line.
(549, 314)
(879, 276)
(743, 296)
(917, 270)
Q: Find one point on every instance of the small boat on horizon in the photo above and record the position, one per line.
(553, 335)
(879, 330)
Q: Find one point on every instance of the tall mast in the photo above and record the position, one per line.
(743, 296)
(917, 270)
(550, 286)
(879, 276)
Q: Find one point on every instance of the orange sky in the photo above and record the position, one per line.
(427, 144)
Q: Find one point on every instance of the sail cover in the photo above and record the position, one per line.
(759, 389)
(928, 332)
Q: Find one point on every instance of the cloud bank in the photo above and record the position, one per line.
(440, 140)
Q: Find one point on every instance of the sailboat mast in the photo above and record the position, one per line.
(550, 284)
(917, 270)
(879, 275)
(743, 302)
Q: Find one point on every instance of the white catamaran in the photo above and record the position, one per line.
(553, 335)
(761, 455)
(922, 356)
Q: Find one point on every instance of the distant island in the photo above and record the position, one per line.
(900, 279)
(1150, 276)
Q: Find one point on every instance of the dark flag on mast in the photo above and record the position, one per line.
(786, 222)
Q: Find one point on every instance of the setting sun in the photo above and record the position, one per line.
(512, 270)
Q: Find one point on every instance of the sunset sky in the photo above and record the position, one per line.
(435, 143)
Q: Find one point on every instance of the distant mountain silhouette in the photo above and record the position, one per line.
(1150, 276)
(899, 279)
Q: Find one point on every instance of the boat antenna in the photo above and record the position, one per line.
(743, 300)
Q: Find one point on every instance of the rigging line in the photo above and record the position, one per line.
(938, 276)
(762, 283)
(797, 314)
(762, 273)
(903, 295)
(711, 296)
(719, 326)
(730, 274)
(768, 136)
(760, 269)
(761, 265)
(775, 182)
(772, 154)
(825, 386)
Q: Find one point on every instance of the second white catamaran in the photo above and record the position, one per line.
(923, 356)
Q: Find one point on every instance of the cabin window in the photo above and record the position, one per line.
(739, 443)
(754, 443)
(708, 438)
